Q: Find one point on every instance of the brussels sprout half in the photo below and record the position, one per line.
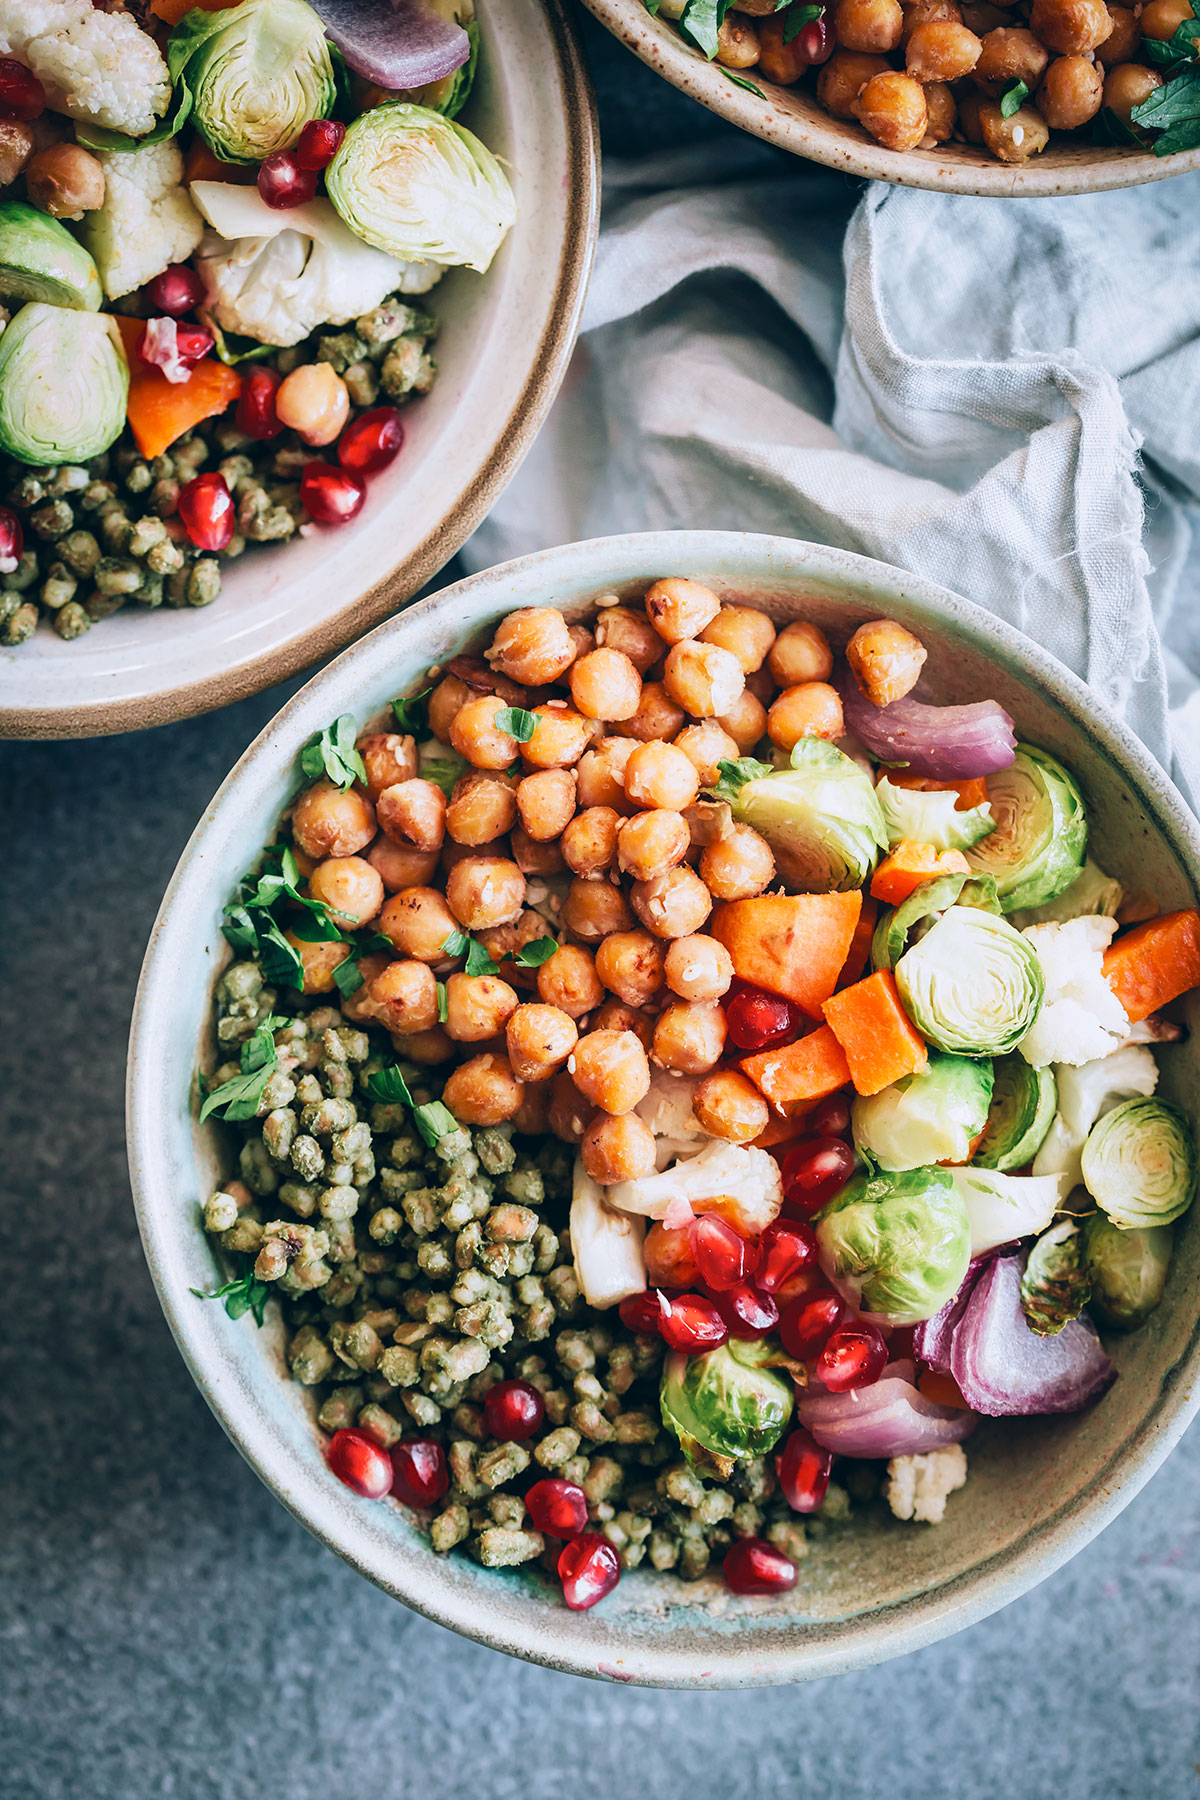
(897, 1245)
(914, 916)
(1139, 1162)
(726, 1404)
(1037, 849)
(40, 260)
(972, 985)
(1056, 1284)
(1092, 891)
(931, 816)
(257, 73)
(1024, 1100)
(931, 1117)
(821, 816)
(64, 383)
(1127, 1269)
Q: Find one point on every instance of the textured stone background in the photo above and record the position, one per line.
(167, 1629)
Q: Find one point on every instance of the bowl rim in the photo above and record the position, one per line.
(579, 1643)
(360, 611)
(813, 134)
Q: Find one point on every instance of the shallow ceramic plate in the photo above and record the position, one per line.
(1038, 1489)
(506, 337)
(791, 118)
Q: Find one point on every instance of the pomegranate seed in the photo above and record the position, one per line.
(815, 40)
(854, 1356)
(372, 441)
(207, 510)
(803, 1471)
(753, 1566)
(255, 414)
(176, 291)
(691, 1323)
(513, 1410)
(641, 1313)
(359, 1461)
(174, 348)
(12, 540)
(319, 143)
(421, 1475)
(814, 1172)
(755, 1019)
(329, 495)
(588, 1568)
(785, 1250)
(283, 183)
(559, 1508)
(746, 1312)
(22, 95)
(805, 1325)
(831, 1118)
(723, 1256)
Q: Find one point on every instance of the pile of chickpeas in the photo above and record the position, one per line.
(915, 73)
(593, 833)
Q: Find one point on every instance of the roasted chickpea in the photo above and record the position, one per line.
(980, 16)
(483, 806)
(1127, 86)
(532, 1117)
(927, 12)
(652, 842)
(610, 1069)
(1008, 54)
(418, 922)
(747, 722)
(1162, 18)
(1122, 41)
(589, 842)
(706, 745)
(698, 968)
(404, 997)
(502, 941)
(483, 1091)
(540, 1038)
(781, 62)
(349, 887)
(16, 148)
(534, 858)
(814, 709)
(873, 26)
(885, 660)
(601, 774)
(388, 758)
(737, 42)
(318, 962)
(475, 734)
(689, 1036)
(424, 1047)
(968, 117)
(413, 813)
(702, 678)
(594, 908)
(532, 646)
(801, 651)
(672, 905)
(745, 632)
(478, 1007)
(1013, 140)
(560, 737)
(546, 803)
(313, 401)
(66, 181)
(730, 1107)
(1070, 93)
(942, 110)
(445, 703)
(617, 1149)
(678, 608)
(568, 980)
(892, 108)
(331, 821)
(569, 1112)
(584, 640)
(485, 890)
(621, 628)
(630, 964)
(606, 685)
(738, 865)
(357, 1006)
(615, 1015)
(839, 83)
(1071, 26)
(657, 715)
(658, 774)
(399, 867)
(942, 51)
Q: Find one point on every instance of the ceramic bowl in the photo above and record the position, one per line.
(791, 118)
(1038, 1489)
(505, 341)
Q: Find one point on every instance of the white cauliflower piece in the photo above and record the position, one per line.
(1085, 1094)
(147, 220)
(1002, 1208)
(97, 66)
(606, 1245)
(747, 1176)
(667, 1110)
(1081, 1018)
(918, 1486)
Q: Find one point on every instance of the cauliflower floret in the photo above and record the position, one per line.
(147, 220)
(93, 65)
(918, 1485)
(667, 1110)
(1081, 1018)
(606, 1245)
(1085, 1094)
(746, 1176)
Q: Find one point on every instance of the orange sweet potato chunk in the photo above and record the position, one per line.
(1155, 962)
(798, 1075)
(875, 1032)
(792, 944)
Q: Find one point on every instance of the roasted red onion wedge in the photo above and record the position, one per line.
(947, 743)
(399, 44)
(889, 1418)
(1003, 1367)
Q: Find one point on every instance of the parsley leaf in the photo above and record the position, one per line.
(281, 962)
(516, 722)
(412, 714)
(245, 1294)
(433, 1120)
(442, 1003)
(238, 1097)
(454, 943)
(798, 17)
(652, 7)
(1013, 99)
(1173, 109)
(444, 771)
(1110, 128)
(348, 977)
(332, 754)
(740, 81)
(478, 961)
(532, 956)
(1181, 47)
(701, 21)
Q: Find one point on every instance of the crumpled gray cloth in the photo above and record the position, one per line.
(1000, 395)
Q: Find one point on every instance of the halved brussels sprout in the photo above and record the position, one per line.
(1139, 1162)
(726, 1404)
(1127, 1269)
(897, 1245)
(257, 73)
(904, 924)
(1084, 1094)
(40, 260)
(64, 383)
(1092, 891)
(930, 1117)
(421, 187)
(1002, 1208)
(972, 984)
(1037, 848)
(821, 816)
(931, 816)
(1056, 1283)
(1021, 1113)
(449, 95)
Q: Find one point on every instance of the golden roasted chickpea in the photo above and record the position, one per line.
(942, 109)
(927, 12)
(730, 1107)
(569, 1112)
(1162, 18)
(589, 842)
(532, 646)
(1122, 41)
(610, 1069)
(892, 108)
(332, 821)
(658, 774)
(559, 739)
(981, 16)
(313, 401)
(418, 922)
(1016, 139)
(1127, 86)
(813, 709)
(568, 981)
(702, 678)
(737, 42)
(546, 803)
(621, 628)
(615, 1015)
(839, 83)
(678, 608)
(885, 660)
(968, 117)
(697, 968)
(388, 758)
(583, 638)
(483, 1091)
(780, 61)
(600, 775)
(745, 632)
(65, 180)
(630, 964)
(1071, 26)
(672, 905)
(689, 1036)
(1070, 93)
(357, 1006)
(540, 1038)
(738, 865)
(652, 842)
(318, 962)
(617, 1149)
(1010, 53)
(483, 806)
(399, 867)
(501, 941)
(746, 723)
(445, 703)
(425, 1047)
(706, 744)
(16, 148)
(873, 26)
(657, 716)
(482, 891)
(404, 996)
(534, 858)
(478, 1007)
(532, 1117)
(801, 651)
(475, 734)
(413, 813)
(594, 908)
(606, 685)
(349, 887)
(941, 51)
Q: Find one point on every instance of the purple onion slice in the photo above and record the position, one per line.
(889, 1418)
(933, 1338)
(1002, 1367)
(398, 44)
(946, 743)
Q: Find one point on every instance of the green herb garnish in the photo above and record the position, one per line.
(244, 1295)
(740, 81)
(478, 961)
(348, 977)
(455, 943)
(701, 21)
(1174, 110)
(442, 1003)
(517, 723)
(532, 956)
(332, 754)
(798, 17)
(1013, 99)
(1181, 47)
(412, 713)
(238, 1097)
(445, 771)
(433, 1120)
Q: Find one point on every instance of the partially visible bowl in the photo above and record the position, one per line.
(1038, 1489)
(505, 342)
(790, 118)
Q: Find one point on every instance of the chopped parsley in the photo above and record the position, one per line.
(244, 1295)
(1173, 110)
(412, 714)
(238, 1097)
(740, 81)
(433, 1120)
(250, 928)
(517, 723)
(1013, 99)
(332, 754)
(478, 961)
(1181, 47)
(532, 956)
(797, 18)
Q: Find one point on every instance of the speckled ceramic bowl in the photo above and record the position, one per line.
(505, 341)
(791, 118)
(1038, 1489)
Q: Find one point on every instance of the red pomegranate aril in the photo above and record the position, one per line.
(372, 442)
(816, 1170)
(723, 1256)
(755, 1020)
(854, 1356)
(691, 1323)
(815, 40)
(785, 1250)
(329, 495)
(641, 1313)
(513, 1410)
(557, 1507)
(255, 414)
(805, 1325)
(207, 510)
(421, 1475)
(361, 1463)
(830, 1119)
(753, 1566)
(803, 1469)
(283, 183)
(176, 291)
(588, 1568)
(746, 1312)
(319, 143)
(22, 95)
(12, 540)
